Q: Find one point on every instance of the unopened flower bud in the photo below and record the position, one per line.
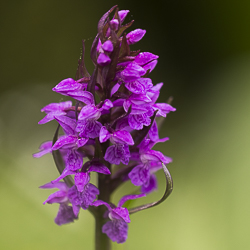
(135, 36)
(108, 46)
(103, 59)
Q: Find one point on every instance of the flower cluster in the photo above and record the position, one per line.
(110, 130)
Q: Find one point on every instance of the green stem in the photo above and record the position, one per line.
(102, 242)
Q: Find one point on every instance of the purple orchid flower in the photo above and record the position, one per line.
(82, 178)
(74, 158)
(83, 193)
(87, 124)
(119, 152)
(151, 161)
(65, 214)
(82, 199)
(117, 227)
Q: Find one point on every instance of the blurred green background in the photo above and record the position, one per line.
(204, 49)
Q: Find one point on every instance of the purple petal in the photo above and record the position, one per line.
(107, 105)
(85, 198)
(116, 230)
(120, 212)
(154, 92)
(129, 197)
(82, 141)
(162, 139)
(122, 124)
(139, 175)
(51, 116)
(74, 160)
(108, 46)
(74, 196)
(126, 104)
(150, 66)
(136, 109)
(118, 102)
(144, 145)
(152, 143)
(82, 96)
(89, 112)
(139, 99)
(117, 153)
(57, 197)
(163, 108)
(76, 209)
(65, 173)
(137, 121)
(115, 88)
(153, 132)
(81, 179)
(132, 72)
(141, 109)
(99, 45)
(89, 195)
(65, 141)
(67, 124)
(57, 106)
(152, 185)
(99, 203)
(99, 168)
(135, 36)
(135, 156)
(65, 215)
(160, 156)
(157, 87)
(153, 155)
(103, 59)
(145, 57)
(67, 85)
(123, 136)
(139, 86)
(104, 134)
(60, 185)
(45, 148)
